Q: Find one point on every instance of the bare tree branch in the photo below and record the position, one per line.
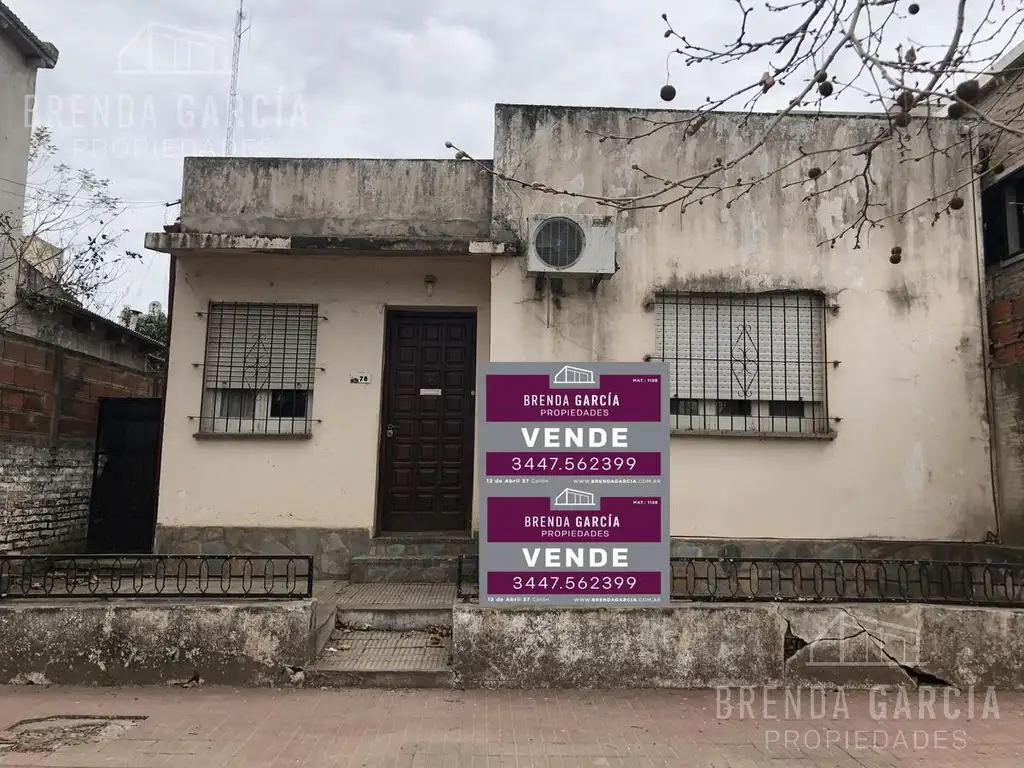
(66, 244)
(816, 53)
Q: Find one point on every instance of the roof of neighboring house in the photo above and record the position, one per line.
(42, 54)
(38, 290)
(1012, 59)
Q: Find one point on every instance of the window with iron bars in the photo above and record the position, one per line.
(259, 369)
(745, 363)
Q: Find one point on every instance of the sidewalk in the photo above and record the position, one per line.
(211, 728)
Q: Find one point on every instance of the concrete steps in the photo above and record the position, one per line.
(381, 659)
(395, 607)
(411, 559)
(388, 635)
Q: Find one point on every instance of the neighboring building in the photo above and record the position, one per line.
(51, 383)
(317, 302)
(1003, 237)
(21, 55)
(46, 257)
(57, 359)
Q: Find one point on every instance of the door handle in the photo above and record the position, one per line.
(391, 429)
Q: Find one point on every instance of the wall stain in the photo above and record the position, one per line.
(902, 299)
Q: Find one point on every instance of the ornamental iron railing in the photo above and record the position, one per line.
(717, 579)
(259, 577)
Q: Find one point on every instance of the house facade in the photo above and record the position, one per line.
(328, 317)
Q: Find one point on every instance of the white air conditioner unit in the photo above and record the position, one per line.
(571, 245)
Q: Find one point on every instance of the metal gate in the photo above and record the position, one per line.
(122, 506)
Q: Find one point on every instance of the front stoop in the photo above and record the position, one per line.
(389, 635)
(395, 607)
(411, 559)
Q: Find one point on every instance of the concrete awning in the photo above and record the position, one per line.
(214, 243)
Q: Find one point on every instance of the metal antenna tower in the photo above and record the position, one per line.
(240, 19)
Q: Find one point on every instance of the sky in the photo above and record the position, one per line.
(335, 78)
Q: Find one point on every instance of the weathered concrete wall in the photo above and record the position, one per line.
(17, 84)
(338, 464)
(153, 642)
(1006, 334)
(703, 645)
(911, 459)
(49, 406)
(428, 199)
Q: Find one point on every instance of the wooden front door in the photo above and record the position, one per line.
(425, 477)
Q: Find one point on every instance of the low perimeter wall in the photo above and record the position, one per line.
(710, 645)
(152, 642)
(139, 642)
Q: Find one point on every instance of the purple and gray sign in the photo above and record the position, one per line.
(574, 497)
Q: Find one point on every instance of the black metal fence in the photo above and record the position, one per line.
(259, 577)
(714, 579)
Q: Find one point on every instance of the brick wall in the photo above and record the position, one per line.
(1006, 336)
(49, 404)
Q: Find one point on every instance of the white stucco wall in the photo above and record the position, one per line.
(911, 459)
(17, 83)
(331, 479)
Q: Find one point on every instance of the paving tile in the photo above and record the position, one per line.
(223, 728)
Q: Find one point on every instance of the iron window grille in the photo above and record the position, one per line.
(259, 369)
(745, 363)
(1002, 217)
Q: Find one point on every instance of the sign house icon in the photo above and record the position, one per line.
(571, 497)
(570, 374)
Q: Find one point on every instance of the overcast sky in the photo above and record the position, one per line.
(336, 78)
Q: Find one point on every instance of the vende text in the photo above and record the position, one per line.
(576, 557)
(577, 437)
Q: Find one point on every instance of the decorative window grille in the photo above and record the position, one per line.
(259, 370)
(752, 363)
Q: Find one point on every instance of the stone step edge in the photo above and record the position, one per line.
(369, 559)
(394, 618)
(393, 607)
(404, 679)
(440, 539)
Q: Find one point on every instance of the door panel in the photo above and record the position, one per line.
(425, 478)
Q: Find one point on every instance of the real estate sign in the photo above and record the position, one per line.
(574, 490)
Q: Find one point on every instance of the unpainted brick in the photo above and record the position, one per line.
(998, 311)
(37, 357)
(1005, 355)
(87, 410)
(32, 378)
(27, 423)
(1007, 332)
(71, 427)
(12, 350)
(45, 498)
